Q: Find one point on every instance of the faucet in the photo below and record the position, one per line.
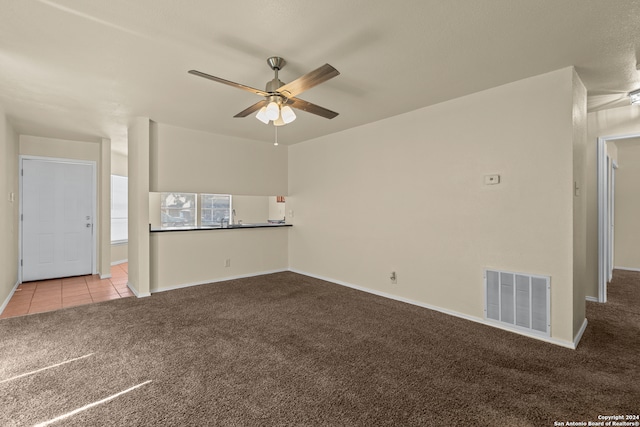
(233, 216)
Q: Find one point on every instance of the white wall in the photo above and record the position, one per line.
(627, 206)
(406, 194)
(8, 209)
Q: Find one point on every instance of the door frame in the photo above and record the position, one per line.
(604, 211)
(611, 222)
(94, 205)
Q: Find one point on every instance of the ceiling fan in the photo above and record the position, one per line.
(280, 97)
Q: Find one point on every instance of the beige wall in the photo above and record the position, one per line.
(349, 226)
(139, 166)
(8, 209)
(181, 258)
(251, 209)
(105, 206)
(61, 148)
(579, 202)
(186, 160)
(627, 206)
(119, 164)
(277, 211)
(616, 121)
(119, 253)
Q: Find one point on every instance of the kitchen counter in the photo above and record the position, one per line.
(208, 227)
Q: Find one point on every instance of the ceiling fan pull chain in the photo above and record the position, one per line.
(276, 128)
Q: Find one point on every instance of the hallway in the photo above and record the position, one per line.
(49, 295)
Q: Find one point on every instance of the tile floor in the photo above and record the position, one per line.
(48, 295)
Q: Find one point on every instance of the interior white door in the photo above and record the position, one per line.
(57, 219)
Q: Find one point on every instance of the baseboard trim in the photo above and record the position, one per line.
(550, 340)
(627, 269)
(578, 336)
(6, 301)
(105, 276)
(592, 299)
(122, 261)
(136, 293)
(223, 279)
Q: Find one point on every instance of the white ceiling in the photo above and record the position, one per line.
(78, 69)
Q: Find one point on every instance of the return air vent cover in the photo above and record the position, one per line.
(518, 301)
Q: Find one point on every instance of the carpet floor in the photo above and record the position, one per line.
(286, 349)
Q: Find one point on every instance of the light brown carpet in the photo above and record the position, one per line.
(286, 349)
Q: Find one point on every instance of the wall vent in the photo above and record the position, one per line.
(518, 301)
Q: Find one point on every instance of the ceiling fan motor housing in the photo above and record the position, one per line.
(273, 85)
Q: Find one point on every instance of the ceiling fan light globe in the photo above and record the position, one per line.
(287, 114)
(272, 111)
(262, 115)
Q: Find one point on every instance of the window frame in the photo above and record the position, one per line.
(194, 211)
(202, 209)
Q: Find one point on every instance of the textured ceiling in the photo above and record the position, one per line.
(80, 69)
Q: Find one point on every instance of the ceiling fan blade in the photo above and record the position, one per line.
(303, 105)
(308, 81)
(228, 82)
(255, 107)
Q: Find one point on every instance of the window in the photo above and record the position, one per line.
(178, 210)
(216, 208)
(119, 209)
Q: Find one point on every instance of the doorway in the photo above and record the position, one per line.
(606, 172)
(57, 211)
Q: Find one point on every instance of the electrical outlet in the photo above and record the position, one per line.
(227, 262)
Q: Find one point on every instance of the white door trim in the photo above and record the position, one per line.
(603, 211)
(611, 225)
(94, 201)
